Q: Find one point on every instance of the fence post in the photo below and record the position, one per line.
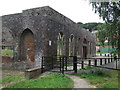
(105, 61)
(95, 62)
(89, 63)
(111, 59)
(108, 60)
(66, 63)
(105, 55)
(75, 64)
(116, 63)
(82, 64)
(62, 65)
(100, 61)
(115, 59)
(111, 55)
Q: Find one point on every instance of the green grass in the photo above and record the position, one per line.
(9, 79)
(87, 68)
(101, 79)
(49, 81)
(100, 53)
(7, 52)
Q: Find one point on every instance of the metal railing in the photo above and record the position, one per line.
(63, 63)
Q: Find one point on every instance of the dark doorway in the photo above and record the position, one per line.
(85, 51)
(27, 45)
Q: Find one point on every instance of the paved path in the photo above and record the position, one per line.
(78, 82)
(113, 65)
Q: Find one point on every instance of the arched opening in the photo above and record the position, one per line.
(60, 44)
(78, 47)
(27, 46)
(71, 45)
(84, 41)
(84, 48)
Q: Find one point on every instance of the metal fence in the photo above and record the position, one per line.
(99, 62)
(54, 63)
(73, 63)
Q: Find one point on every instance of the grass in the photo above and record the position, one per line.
(100, 53)
(49, 81)
(87, 68)
(7, 52)
(9, 79)
(101, 79)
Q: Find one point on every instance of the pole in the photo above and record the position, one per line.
(75, 64)
(62, 65)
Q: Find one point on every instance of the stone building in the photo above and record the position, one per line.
(41, 32)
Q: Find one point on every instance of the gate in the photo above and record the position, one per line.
(58, 64)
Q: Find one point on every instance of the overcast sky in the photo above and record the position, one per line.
(76, 10)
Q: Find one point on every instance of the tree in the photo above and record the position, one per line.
(102, 33)
(90, 26)
(110, 12)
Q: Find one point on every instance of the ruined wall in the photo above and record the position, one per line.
(59, 23)
(45, 24)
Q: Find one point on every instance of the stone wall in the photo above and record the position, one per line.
(46, 24)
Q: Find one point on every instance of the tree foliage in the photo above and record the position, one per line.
(90, 26)
(102, 33)
(110, 12)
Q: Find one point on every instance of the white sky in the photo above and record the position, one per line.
(76, 10)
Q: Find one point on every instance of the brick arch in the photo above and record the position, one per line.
(27, 46)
